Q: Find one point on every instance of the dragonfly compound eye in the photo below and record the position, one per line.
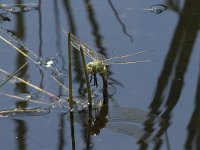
(90, 68)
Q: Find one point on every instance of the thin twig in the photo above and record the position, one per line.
(13, 74)
(30, 84)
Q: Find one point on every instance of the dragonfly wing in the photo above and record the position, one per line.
(77, 43)
(127, 62)
(131, 130)
(109, 61)
(132, 115)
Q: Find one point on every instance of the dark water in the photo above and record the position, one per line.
(164, 92)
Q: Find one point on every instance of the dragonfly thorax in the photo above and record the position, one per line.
(97, 67)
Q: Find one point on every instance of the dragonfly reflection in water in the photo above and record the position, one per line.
(99, 63)
(123, 120)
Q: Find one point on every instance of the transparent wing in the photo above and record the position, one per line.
(131, 130)
(128, 62)
(77, 43)
(109, 61)
(131, 115)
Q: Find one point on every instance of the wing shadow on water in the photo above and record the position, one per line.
(175, 66)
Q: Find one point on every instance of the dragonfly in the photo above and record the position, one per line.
(100, 62)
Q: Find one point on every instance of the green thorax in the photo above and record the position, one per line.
(97, 67)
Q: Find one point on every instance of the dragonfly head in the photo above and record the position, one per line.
(90, 68)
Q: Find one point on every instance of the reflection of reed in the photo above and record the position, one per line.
(119, 20)
(21, 130)
(21, 125)
(193, 126)
(58, 42)
(21, 59)
(174, 5)
(176, 64)
(72, 130)
(61, 132)
(95, 27)
(95, 30)
(42, 81)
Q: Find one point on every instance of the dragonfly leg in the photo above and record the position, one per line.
(95, 80)
(90, 78)
(93, 76)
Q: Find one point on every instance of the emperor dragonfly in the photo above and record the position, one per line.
(99, 63)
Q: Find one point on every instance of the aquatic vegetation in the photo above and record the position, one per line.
(29, 84)
(23, 112)
(18, 45)
(11, 75)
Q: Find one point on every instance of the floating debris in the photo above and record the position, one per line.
(47, 62)
(23, 112)
(4, 17)
(157, 8)
(17, 8)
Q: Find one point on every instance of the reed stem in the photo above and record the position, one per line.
(86, 79)
(70, 73)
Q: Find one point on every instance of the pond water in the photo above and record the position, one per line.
(152, 105)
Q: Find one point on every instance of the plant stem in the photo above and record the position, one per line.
(86, 79)
(70, 73)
